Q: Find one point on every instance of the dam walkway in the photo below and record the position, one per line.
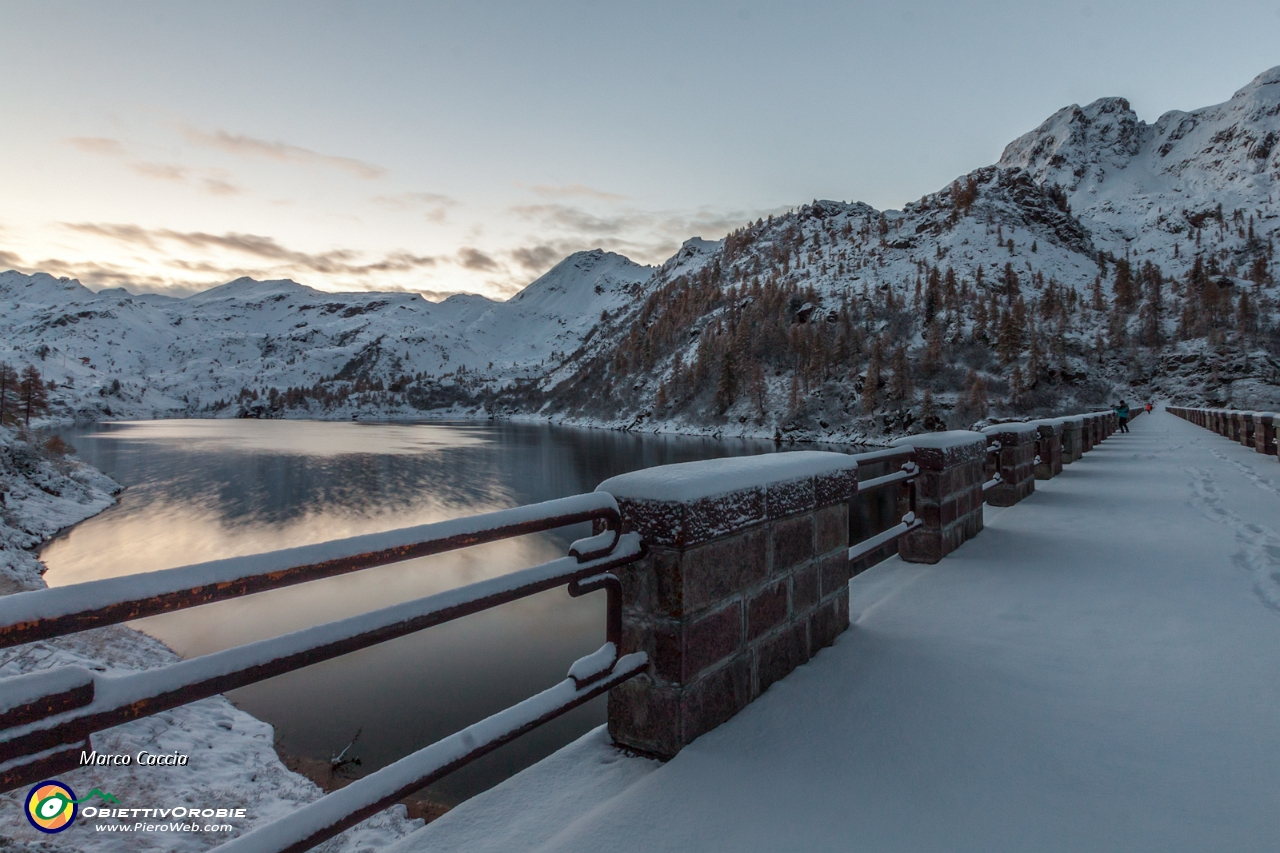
(1096, 671)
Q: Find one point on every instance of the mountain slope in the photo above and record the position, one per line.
(114, 354)
(1100, 256)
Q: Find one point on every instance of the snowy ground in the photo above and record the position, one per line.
(233, 763)
(1094, 672)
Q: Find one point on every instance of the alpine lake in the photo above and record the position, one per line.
(199, 490)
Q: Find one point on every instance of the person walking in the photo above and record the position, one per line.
(1122, 413)
(1148, 408)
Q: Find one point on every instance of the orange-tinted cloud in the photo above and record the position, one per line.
(283, 152)
(97, 145)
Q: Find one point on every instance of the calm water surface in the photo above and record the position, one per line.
(201, 490)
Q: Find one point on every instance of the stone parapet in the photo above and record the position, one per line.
(948, 493)
(1245, 430)
(1264, 432)
(1072, 439)
(1049, 448)
(746, 577)
(1088, 436)
(1014, 461)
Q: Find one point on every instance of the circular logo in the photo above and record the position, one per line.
(51, 806)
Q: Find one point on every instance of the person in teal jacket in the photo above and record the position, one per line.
(1122, 413)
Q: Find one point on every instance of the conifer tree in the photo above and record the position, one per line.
(757, 389)
(1008, 337)
(927, 409)
(1098, 303)
(32, 394)
(933, 349)
(1123, 288)
(975, 400)
(871, 387)
(900, 386)
(8, 394)
(1246, 317)
(1152, 306)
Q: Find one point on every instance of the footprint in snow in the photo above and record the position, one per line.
(1259, 553)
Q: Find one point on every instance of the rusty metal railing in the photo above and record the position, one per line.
(46, 718)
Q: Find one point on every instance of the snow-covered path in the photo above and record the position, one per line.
(1096, 671)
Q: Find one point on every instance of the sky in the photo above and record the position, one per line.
(468, 147)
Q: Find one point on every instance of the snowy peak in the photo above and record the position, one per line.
(1270, 77)
(1149, 188)
(40, 286)
(249, 289)
(1077, 145)
(582, 274)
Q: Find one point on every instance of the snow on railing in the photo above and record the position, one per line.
(49, 716)
(39, 614)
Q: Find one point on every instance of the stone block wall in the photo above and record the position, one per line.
(1072, 439)
(1264, 432)
(1246, 429)
(746, 577)
(1049, 448)
(948, 493)
(1014, 462)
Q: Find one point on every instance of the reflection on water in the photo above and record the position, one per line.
(202, 490)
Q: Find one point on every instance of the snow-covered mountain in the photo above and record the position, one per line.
(1148, 188)
(195, 355)
(1100, 255)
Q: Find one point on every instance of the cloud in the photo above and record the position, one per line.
(97, 145)
(537, 259)
(217, 186)
(283, 152)
(436, 204)
(133, 234)
(474, 259)
(577, 219)
(575, 191)
(334, 262)
(162, 171)
(643, 235)
(108, 275)
(9, 260)
(212, 181)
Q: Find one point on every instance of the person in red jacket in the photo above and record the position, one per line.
(1148, 408)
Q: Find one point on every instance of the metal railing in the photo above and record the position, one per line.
(47, 717)
(906, 472)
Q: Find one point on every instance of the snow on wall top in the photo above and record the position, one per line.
(938, 450)
(687, 482)
(693, 502)
(1018, 429)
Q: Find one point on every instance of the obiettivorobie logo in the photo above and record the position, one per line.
(52, 806)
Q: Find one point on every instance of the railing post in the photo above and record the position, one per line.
(1072, 438)
(948, 493)
(1264, 432)
(1049, 448)
(1014, 462)
(1086, 433)
(746, 577)
(1246, 429)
